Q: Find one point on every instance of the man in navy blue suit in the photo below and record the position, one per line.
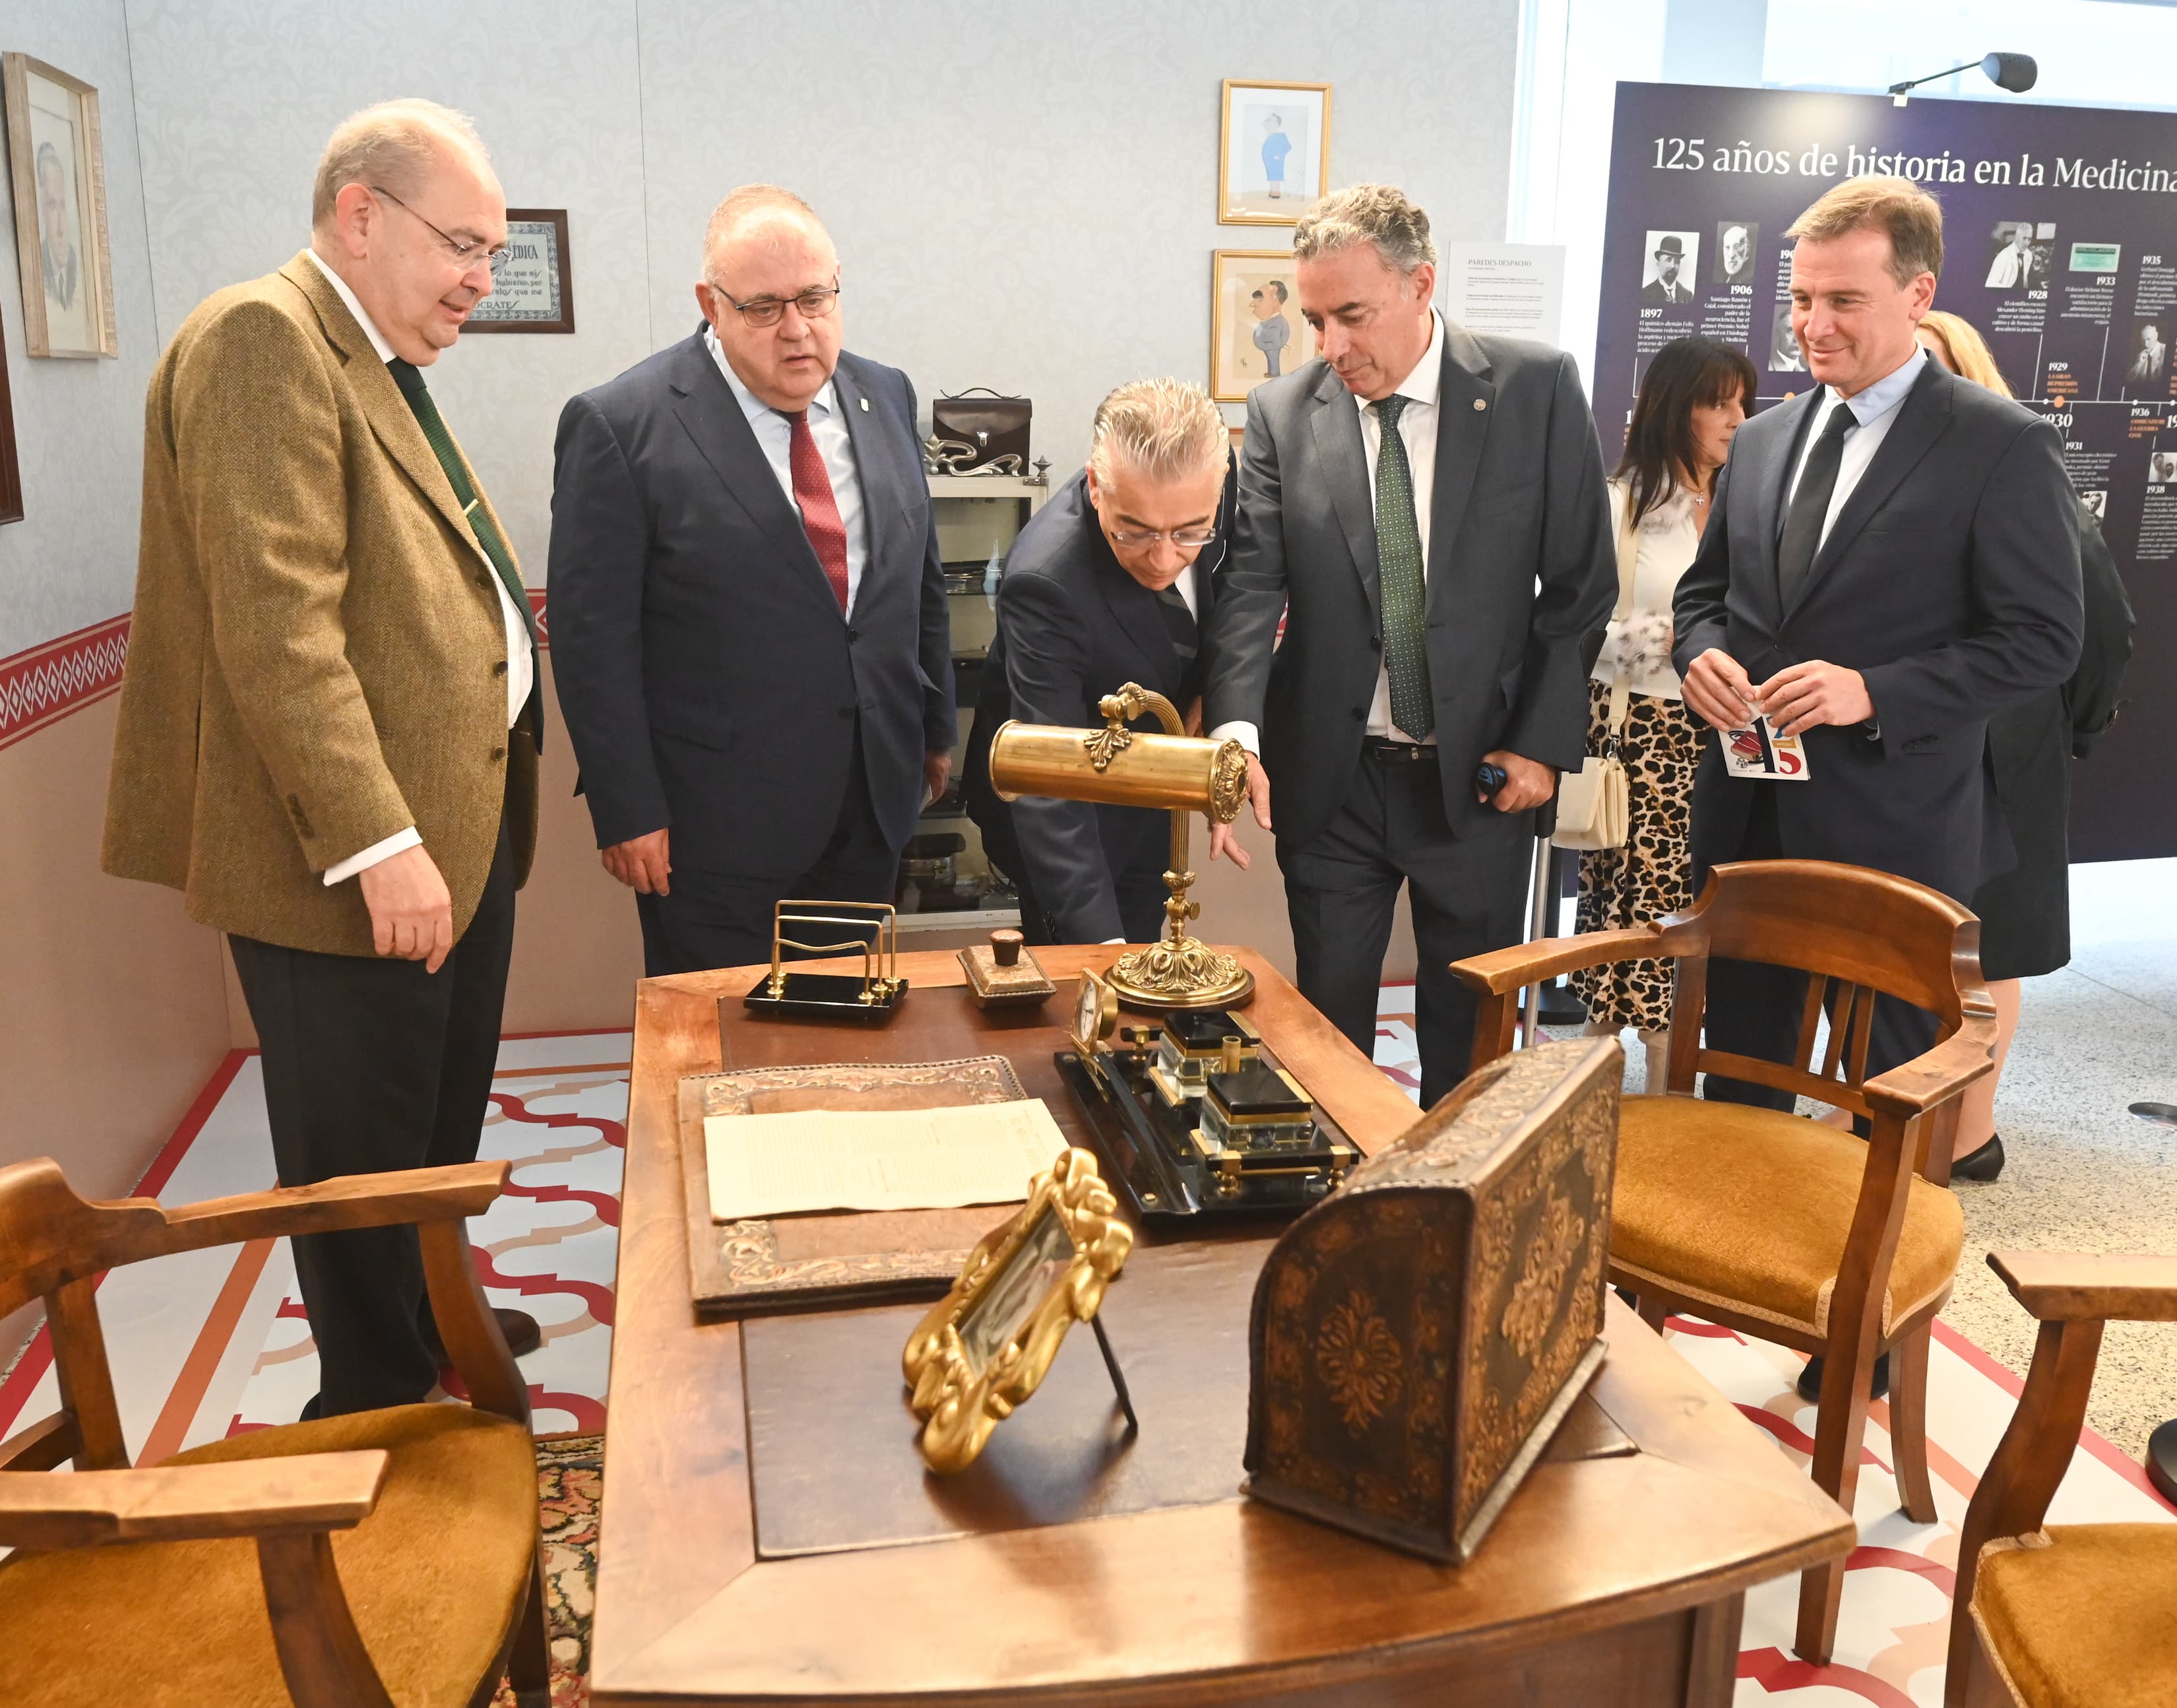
(749, 630)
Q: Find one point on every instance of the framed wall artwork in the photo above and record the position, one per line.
(11, 470)
(1273, 151)
(534, 289)
(1256, 332)
(57, 166)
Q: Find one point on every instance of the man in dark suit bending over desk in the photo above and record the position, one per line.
(1109, 584)
(1891, 557)
(1425, 508)
(748, 609)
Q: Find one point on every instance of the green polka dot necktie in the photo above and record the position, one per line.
(1399, 575)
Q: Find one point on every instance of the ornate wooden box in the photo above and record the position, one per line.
(1418, 1336)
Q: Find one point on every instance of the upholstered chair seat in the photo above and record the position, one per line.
(434, 1576)
(1747, 1207)
(2087, 1620)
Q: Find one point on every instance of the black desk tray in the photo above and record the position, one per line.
(1153, 1162)
(826, 995)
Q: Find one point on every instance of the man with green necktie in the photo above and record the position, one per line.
(1424, 509)
(329, 721)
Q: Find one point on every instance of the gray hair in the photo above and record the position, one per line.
(1162, 428)
(1377, 214)
(749, 202)
(393, 145)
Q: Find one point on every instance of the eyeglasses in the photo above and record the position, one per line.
(1192, 538)
(815, 303)
(466, 253)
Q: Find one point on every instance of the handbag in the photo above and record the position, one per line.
(1595, 802)
(986, 429)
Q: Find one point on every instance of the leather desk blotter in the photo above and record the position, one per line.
(830, 1439)
(798, 1262)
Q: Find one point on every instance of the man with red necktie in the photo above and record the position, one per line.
(748, 631)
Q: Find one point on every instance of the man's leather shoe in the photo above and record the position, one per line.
(1982, 1165)
(523, 1336)
(1810, 1380)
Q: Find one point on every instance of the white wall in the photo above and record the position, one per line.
(1022, 197)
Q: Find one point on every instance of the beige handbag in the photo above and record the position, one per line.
(1595, 802)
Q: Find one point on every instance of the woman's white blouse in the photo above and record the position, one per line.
(1667, 539)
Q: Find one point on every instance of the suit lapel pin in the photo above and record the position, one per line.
(866, 405)
(1481, 403)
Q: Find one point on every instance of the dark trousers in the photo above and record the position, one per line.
(1468, 893)
(372, 1065)
(1141, 893)
(714, 919)
(1754, 1009)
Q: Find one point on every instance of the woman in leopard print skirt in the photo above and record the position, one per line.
(1692, 398)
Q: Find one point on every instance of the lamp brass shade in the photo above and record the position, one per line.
(1182, 774)
(1118, 767)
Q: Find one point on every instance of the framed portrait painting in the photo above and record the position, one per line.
(533, 290)
(1273, 151)
(57, 167)
(1256, 332)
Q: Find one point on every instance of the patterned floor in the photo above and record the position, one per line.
(216, 1342)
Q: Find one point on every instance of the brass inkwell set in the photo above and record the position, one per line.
(1195, 1117)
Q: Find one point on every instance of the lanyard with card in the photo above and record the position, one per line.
(1757, 752)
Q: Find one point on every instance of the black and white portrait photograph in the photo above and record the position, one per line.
(2018, 254)
(2161, 467)
(1784, 354)
(1736, 241)
(2146, 370)
(1667, 273)
(2096, 500)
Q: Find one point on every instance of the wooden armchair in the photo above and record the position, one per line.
(1781, 1228)
(2080, 1616)
(351, 1562)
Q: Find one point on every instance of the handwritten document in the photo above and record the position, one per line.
(877, 1159)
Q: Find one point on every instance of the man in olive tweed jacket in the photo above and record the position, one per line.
(329, 723)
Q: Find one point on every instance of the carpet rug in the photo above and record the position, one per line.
(570, 1472)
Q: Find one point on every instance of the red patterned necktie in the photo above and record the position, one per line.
(820, 510)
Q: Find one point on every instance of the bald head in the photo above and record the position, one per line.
(406, 210)
(771, 278)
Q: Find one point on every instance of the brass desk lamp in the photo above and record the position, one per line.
(1117, 767)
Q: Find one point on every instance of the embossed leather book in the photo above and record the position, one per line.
(1418, 1336)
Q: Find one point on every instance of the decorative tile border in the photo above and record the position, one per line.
(44, 685)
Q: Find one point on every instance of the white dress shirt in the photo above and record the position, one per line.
(1417, 425)
(1875, 409)
(521, 664)
(774, 435)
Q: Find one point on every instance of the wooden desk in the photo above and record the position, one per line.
(1615, 1579)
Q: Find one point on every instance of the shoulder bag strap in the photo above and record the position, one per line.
(1628, 554)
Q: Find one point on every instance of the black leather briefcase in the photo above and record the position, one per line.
(987, 427)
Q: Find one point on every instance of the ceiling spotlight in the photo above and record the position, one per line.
(2015, 72)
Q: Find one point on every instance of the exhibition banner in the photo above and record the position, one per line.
(2060, 246)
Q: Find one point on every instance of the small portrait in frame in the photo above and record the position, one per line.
(1273, 151)
(57, 168)
(533, 290)
(1256, 332)
(987, 1344)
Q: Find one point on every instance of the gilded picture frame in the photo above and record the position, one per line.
(986, 1347)
(1253, 292)
(57, 167)
(1273, 150)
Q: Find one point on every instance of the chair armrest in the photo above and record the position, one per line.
(2073, 1287)
(333, 1206)
(190, 1503)
(1927, 1081)
(1530, 963)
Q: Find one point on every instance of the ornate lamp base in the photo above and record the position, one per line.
(1180, 973)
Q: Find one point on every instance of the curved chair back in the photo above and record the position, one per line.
(1856, 933)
